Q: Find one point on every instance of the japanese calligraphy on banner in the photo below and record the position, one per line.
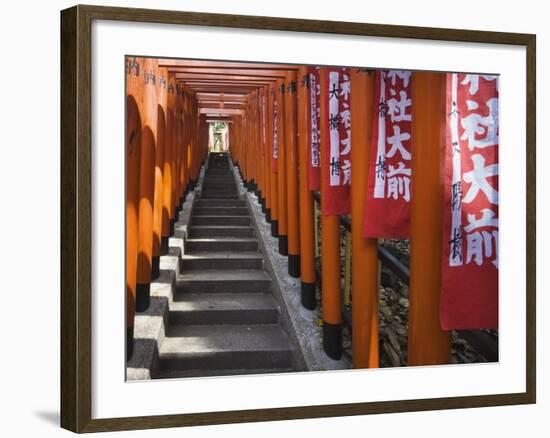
(387, 207)
(469, 289)
(275, 152)
(336, 193)
(315, 129)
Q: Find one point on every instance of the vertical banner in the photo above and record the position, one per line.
(315, 129)
(275, 151)
(469, 287)
(387, 207)
(336, 198)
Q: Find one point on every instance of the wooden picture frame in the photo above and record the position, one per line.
(76, 218)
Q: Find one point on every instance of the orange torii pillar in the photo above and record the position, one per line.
(167, 212)
(330, 250)
(184, 146)
(176, 144)
(256, 146)
(246, 148)
(307, 220)
(261, 152)
(281, 170)
(147, 184)
(428, 344)
(291, 154)
(251, 146)
(134, 78)
(253, 129)
(265, 158)
(161, 85)
(272, 173)
(171, 138)
(364, 251)
(189, 135)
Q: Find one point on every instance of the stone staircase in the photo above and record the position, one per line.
(223, 319)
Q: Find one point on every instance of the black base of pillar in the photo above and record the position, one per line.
(181, 202)
(143, 297)
(275, 228)
(294, 265)
(171, 227)
(129, 342)
(262, 203)
(283, 245)
(268, 215)
(332, 340)
(155, 267)
(164, 245)
(308, 296)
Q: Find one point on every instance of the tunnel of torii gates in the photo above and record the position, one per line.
(170, 104)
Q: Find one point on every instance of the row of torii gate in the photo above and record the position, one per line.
(170, 104)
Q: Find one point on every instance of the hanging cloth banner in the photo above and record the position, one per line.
(315, 129)
(336, 193)
(469, 286)
(387, 207)
(275, 151)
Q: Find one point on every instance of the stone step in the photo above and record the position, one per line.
(224, 187)
(228, 195)
(177, 374)
(223, 308)
(221, 185)
(221, 191)
(213, 202)
(219, 173)
(220, 211)
(221, 244)
(199, 231)
(220, 181)
(214, 281)
(227, 347)
(219, 220)
(222, 260)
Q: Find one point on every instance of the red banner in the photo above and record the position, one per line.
(274, 152)
(336, 193)
(387, 207)
(315, 129)
(469, 292)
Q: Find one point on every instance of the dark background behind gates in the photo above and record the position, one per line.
(29, 190)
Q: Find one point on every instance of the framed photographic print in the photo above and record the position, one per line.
(221, 261)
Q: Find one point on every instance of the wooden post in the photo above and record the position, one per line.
(307, 219)
(330, 251)
(147, 184)
(134, 78)
(170, 154)
(281, 170)
(176, 151)
(184, 145)
(291, 154)
(428, 344)
(167, 213)
(364, 307)
(266, 161)
(161, 84)
(272, 173)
